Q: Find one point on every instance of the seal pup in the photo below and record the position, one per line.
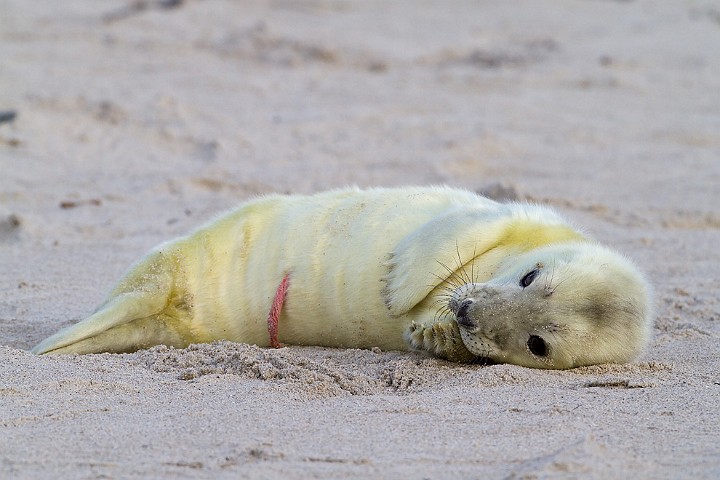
(425, 268)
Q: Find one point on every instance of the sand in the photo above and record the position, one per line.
(135, 121)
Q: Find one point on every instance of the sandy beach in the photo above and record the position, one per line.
(126, 123)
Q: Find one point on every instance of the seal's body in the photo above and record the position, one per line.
(388, 268)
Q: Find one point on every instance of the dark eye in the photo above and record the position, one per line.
(537, 346)
(529, 277)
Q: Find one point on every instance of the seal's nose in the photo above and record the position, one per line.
(462, 314)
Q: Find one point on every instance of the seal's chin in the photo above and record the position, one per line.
(484, 361)
(482, 350)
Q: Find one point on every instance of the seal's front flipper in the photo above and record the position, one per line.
(442, 339)
(429, 256)
(126, 322)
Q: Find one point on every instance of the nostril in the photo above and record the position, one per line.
(464, 306)
(462, 313)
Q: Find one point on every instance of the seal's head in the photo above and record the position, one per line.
(559, 306)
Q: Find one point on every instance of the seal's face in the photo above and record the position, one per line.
(556, 307)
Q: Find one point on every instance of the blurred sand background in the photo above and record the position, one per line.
(139, 120)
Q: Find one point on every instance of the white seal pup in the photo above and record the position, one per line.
(427, 268)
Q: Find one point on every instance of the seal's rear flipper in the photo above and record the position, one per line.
(118, 326)
(136, 314)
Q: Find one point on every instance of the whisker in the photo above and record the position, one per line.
(560, 283)
(472, 264)
(441, 301)
(446, 292)
(552, 277)
(452, 273)
(461, 265)
(442, 281)
(482, 360)
(441, 313)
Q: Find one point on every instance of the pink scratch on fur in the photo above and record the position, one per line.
(274, 316)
